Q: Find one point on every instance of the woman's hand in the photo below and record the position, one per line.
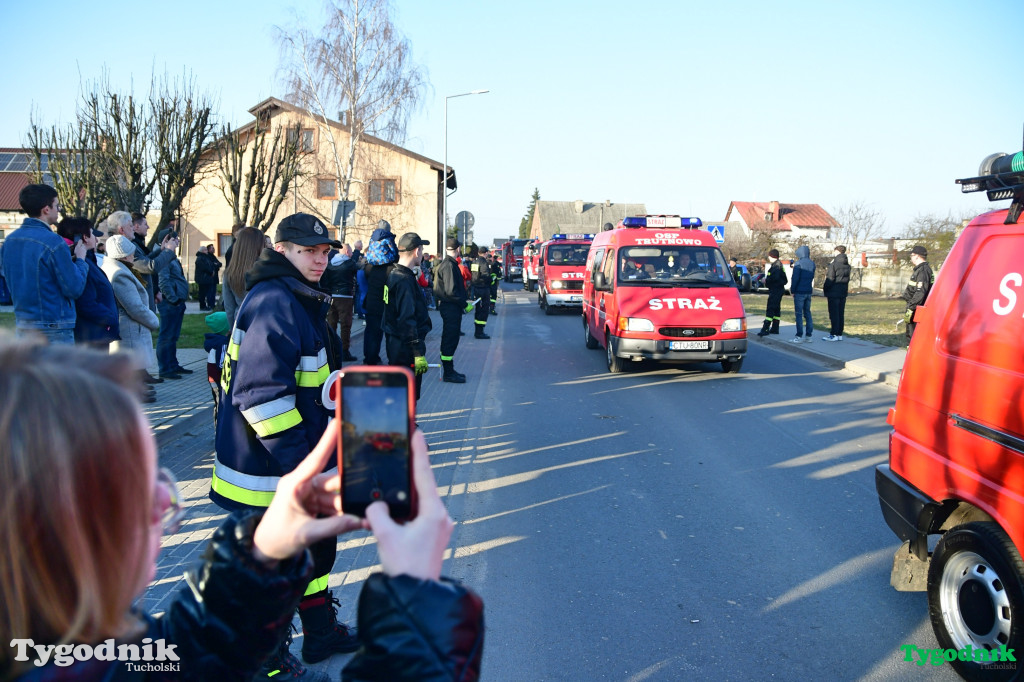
(306, 507)
(416, 548)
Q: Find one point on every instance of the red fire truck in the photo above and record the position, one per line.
(512, 258)
(561, 264)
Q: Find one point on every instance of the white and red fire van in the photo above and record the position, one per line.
(659, 288)
(561, 264)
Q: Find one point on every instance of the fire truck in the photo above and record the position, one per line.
(512, 258)
(531, 263)
(560, 267)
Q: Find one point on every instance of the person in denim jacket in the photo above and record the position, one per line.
(43, 275)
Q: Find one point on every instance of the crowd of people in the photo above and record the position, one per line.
(284, 331)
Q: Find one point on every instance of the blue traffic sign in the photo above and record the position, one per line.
(717, 231)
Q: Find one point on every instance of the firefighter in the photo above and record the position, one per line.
(481, 282)
(406, 320)
(920, 284)
(495, 266)
(280, 355)
(775, 279)
(450, 292)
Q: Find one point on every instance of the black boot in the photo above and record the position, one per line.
(450, 375)
(765, 328)
(282, 665)
(322, 634)
(480, 332)
(775, 326)
(347, 357)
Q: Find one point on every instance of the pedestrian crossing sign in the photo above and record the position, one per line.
(717, 231)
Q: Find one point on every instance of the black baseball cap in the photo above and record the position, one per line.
(920, 251)
(304, 230)
(452, 243)
(410, 241)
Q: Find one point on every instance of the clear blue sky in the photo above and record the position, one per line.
(684, 106)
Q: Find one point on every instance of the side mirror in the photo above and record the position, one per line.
(599, 281)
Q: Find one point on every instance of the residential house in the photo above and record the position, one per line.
(390, 183)
(578, 217)
(792, 221)
(15, 165)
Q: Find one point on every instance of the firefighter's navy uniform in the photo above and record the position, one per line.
(406, 320)
(450, 292)
(495, 276)
(480, 271)
(775, 279)
(280, 355)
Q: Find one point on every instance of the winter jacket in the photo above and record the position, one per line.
(230, 299)
(280, 355)
(481, 277)
(146, 267)
(97, 315)
(414, 630)
(775, 279)
(171, 278)
(206, 267)
(43, 279)
(449, 287)
(920, 285)
(803, 272)
(406, 320)
(135, 318)
(230, 616)
(837, 277)
(340, 276)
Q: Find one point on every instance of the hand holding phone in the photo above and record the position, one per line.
(375, 408)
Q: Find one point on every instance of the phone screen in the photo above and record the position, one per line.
(375, 413)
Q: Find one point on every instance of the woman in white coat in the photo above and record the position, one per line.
(136, 319)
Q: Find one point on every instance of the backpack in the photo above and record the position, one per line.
(382, 251)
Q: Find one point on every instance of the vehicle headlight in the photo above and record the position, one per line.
(635, 324)
(737, 324)
(557, 284)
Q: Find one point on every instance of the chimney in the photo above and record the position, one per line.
(607, 203)
(579, 205)
(773, 208)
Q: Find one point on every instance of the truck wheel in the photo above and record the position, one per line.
(542, 302)
(732, 366)
(976, 596)
(548, 309)
(615, 365)
(588, 338)
(745, 282)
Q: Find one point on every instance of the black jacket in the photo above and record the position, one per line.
(340, 280)
(775, 279)
(920, 284)
(449, 287)
(415, 629)
(837, 278)
(481, 273)
(376, 278)
(206, 268)
(406, 320)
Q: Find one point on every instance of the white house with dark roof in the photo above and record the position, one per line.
(579, 217)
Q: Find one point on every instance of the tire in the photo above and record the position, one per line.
(588, 338)
(976, 595)
(732, 366)
(542, 302)
(615, 365)
(745, 282)
(548, 309)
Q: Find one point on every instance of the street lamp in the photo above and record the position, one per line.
(444, 178)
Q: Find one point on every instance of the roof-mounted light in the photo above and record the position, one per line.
(661, 221)
(572, 236)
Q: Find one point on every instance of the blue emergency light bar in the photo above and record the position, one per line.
(661, 221)
(573, 236)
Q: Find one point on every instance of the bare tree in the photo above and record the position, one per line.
(858, 224)
(359, 68)
(936, 233)
(182, 126)
(255, 191)
(67, 158)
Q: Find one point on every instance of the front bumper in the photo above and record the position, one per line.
(566, 300)
(658, 349)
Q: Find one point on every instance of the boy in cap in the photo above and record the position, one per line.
(406, 320)
(280, 355)
(450, 292)
(920, 284)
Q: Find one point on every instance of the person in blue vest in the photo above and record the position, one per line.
(280, 355)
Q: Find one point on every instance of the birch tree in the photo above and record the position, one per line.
(357, 68)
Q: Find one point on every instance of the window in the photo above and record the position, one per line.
(327, 188)
(306, 138)
(383, 191)
(223, 242)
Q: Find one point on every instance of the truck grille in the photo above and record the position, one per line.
(573, 285)
(688, 332)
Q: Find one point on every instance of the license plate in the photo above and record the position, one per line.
(688, 345)
(576, 299)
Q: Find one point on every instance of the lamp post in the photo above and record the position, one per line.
(444, 178)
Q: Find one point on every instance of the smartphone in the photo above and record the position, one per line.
(376, 407)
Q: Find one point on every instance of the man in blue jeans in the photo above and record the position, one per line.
(42, 273)
(802, 287)
(173, 292)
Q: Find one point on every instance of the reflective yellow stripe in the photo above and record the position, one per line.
(253, 498)
(313, 371)
(385, 294)
(316, 585)
(447, 357)
(479, 322)
(282, 422)
(273, 417)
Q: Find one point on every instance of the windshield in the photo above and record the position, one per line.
(568, 254)
(517, 248)
(690, 265)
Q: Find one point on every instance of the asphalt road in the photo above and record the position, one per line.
(676, 523)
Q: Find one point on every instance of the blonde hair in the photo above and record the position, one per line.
(78, 496)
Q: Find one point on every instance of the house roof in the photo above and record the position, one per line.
(790, 215)
(562, 216)
(273, 103)
(10, 185)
